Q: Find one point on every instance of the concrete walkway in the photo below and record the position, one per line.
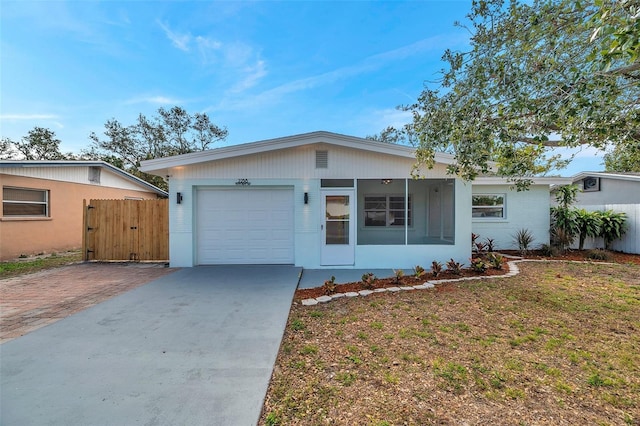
(196, 347)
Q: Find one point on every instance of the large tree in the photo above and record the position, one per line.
(171, 132)
(39, 144)
(545, 74)
(623, 159)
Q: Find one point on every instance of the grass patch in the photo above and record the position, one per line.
(28, 266)
(559, 337)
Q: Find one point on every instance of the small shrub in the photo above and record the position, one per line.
(474, 237)
(368, 280)
(478, 265)
(548, 250)
(523, 238)
(436, 268)
(454, 267)
(496, 260)
(329, 286)
(418, 271)
(399, 274)
(489, 244)
(598, 254)
(480, 247)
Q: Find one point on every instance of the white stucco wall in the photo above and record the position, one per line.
(524, 209)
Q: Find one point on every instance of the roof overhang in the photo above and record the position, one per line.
(81, 163)
(496, 180)
(620, 176)
(161, 166)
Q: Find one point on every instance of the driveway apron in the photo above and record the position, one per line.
(196, 347)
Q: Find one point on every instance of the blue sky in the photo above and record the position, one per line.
(263, 69)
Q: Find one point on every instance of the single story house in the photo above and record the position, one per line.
(42, 202)
(619, 192)
(325, 200)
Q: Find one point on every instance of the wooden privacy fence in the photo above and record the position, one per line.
(131, 230)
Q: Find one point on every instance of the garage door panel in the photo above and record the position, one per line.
(245, 226)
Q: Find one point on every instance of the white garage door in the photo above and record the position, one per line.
(244, 226)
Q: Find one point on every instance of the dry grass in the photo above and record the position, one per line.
(558, 344)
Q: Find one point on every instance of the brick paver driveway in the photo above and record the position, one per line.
(31, 301)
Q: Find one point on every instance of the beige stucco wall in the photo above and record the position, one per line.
(62, 230)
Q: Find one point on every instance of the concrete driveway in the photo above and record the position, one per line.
(196, 347)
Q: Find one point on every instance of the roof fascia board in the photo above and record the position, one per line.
(160, 164)
(582, 175)
(535, 181)
(82, 163)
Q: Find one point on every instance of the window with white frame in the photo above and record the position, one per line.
(25, 202)
(488, 206)
(385, 210)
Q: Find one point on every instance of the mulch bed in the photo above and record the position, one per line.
(410, 280)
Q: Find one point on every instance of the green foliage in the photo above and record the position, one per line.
(272, 419)
(418, 271)
(613, 226)
(297, 325)
(39, 144)
(478, 265)
(566, 195)
(588, 225)
(496, 260)
(623, 158)
(538, 75)
(171, 132)
(399, 273)
(523, 238)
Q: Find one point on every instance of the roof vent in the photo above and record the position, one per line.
(591, 184)
(322, 159)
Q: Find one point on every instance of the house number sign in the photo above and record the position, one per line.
(243, 182)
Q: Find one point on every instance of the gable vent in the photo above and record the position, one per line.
(322, 159)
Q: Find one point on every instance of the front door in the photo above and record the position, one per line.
(338, 227)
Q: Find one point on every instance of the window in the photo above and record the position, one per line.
(25, 202)
(385, 210)
(488, 205)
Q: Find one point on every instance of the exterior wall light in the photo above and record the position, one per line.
(179, 198)
(306, 198)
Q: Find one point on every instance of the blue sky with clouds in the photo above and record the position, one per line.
(263, 69)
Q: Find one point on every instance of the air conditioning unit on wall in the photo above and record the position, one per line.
(591, 184)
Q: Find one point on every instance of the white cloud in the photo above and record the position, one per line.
(368, 64)
(254, 74)
(181, 41)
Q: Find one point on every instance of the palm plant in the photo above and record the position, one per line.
(588, 225)
(613, 226)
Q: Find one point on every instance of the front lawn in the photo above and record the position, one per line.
(557, 344)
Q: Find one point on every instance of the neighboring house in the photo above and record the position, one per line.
(42, 202)
(612, 191)
(327, 200)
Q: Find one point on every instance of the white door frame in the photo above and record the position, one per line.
(338, 253)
